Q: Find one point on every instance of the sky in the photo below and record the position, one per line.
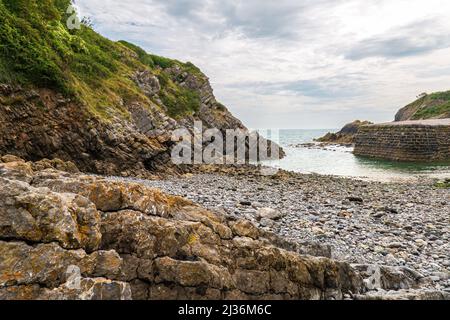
(295, 63)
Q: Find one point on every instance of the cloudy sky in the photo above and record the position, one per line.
(295, 63)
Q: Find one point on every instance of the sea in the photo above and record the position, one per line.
(340, 160)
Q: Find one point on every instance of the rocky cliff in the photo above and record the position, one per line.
(110, 107)
(427, 106)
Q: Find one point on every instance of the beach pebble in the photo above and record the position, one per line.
(269, 213)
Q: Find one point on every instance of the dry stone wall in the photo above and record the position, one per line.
(405, 141)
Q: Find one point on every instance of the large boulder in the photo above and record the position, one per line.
(40, 215)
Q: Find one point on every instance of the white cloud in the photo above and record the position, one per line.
(310, 63)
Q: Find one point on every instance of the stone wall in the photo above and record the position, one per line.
(427, 140)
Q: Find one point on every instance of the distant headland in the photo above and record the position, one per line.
(420, 132)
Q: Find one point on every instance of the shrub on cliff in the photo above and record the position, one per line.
(37, 49)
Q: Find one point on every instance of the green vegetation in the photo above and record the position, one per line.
(152, 61)
(445, 184)
(440, 96)
(181, 101)
(37, 49)
(178, 100)
(436, 104)
(26, 42)
(163, 62)
(143, 56)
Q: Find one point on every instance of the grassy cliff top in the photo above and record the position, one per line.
(37, 49)
(428, 106)
(437, 104)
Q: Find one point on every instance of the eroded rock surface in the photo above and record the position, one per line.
(43, 123)
(66, 235)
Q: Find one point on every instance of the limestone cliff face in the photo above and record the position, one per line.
(65, 235)
(41, 123)
(428, 106)
(37, 123)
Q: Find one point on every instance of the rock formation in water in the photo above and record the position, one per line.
(346, 135)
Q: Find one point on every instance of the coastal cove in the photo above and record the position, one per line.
(125, 176)
(305, 156)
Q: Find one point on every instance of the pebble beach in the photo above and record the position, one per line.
(361, 222)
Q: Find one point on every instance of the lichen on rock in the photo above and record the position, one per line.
(131, 241)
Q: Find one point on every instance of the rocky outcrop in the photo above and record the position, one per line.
(346, 135)
(70, 236)
(38, 124)
(147, 82)
(43, 124)
(213, 114)
(66, 235)
(46, 125)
